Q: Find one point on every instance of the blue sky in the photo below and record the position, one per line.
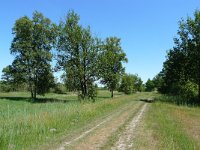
(146, 28)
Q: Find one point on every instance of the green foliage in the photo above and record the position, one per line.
(33, 40)
(181, 70)
(130, 84)
(110, 64)
(77, 54)
(127, 84)
(188, 90)
(138, 87)
(92, 92)
(59, 88)
(11, 80)
(158, 82)
(150, 85)
(7, 83)
(5, 87)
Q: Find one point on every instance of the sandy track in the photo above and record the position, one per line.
(98, 135)
(125, 139)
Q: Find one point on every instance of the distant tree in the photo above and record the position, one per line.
(7, 75)
(111, 60)
(137, 83)
(59, 88)
(127, 84)
(7, 83)
(149, 85)
(12, 80)
(77, 55)
(31, 46)
(158, 81)
(130, 83)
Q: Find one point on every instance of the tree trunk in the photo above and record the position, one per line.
(199, 91)
(198, 80)
(82, 91)
(31, 93)
(35, 92)
(112, 94)
(35, 87)
(31, 89)
(85, 88)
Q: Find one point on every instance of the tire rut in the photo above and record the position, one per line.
(96, 136)
(126, 137)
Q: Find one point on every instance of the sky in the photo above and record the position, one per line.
(146, 27)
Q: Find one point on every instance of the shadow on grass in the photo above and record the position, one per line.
(148, 100)
(103, 97)
(38, 100)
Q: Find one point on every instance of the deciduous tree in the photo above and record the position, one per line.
(77, 54)
(31, 46)
(111, 59)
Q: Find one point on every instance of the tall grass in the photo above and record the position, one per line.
(178, 100)
(167, 130)
(25, 125)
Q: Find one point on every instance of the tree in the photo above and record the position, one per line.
(181, 70)
(127, 84)
(150, 85)
(8, 83)
(31, 46)
(77, 55)
(137, 83)
(191, 31)
(130, 83)
(111, 59)
(158, 82)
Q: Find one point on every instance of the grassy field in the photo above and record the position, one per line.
(52, 97)
(26, 125)
(168, 126)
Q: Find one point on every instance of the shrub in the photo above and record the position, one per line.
(188, 90)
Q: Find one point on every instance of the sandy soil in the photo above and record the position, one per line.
(95, 137)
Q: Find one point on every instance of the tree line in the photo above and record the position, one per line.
(181, 71)
(82, 57)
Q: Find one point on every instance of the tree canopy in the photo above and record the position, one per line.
(181, 70)
(77, 55)
(111, 59)
(84, 58)
(31, 46)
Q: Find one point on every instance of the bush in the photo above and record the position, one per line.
(5, 87)
(188, 90)
(59, 88)
(92, 92)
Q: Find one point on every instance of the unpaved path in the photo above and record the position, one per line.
(126, 138)
(95, 137)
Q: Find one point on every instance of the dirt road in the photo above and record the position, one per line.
(121, 125)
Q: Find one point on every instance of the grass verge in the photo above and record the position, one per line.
(169, 126)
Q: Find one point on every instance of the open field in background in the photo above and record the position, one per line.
(26, 125)
(52, 97)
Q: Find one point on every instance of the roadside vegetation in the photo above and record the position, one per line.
(168, 126)
(25, 125)
(180, 76)
(38, 110)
